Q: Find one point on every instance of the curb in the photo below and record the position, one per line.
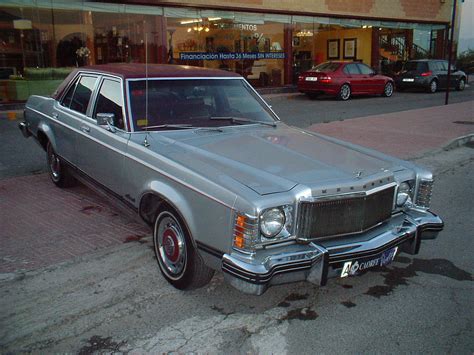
(460, 141)
(453, 144)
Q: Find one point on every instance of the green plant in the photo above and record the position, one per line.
(465, 61)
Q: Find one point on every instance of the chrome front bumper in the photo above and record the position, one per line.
(23, 126)
(318, 261)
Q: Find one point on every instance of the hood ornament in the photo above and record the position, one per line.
(358, 174)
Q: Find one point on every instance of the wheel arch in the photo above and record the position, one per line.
(45, 135)
(161, 197)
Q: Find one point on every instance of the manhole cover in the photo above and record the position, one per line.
(464, 122)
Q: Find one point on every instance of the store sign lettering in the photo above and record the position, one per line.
(245, 27)
(230, 55)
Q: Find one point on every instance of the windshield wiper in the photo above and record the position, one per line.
(184, 126)
(242, 119)
(179, 126)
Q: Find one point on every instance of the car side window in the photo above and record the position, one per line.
(68, 97)
(82, 94)
(364, 69)
(110, 100)
(351, 69)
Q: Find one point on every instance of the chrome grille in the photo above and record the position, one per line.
(344, 215)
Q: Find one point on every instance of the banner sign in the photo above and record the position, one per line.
(230, 55)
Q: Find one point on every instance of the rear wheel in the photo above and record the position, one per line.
(461, 85)
(388, 89)
(179, 261)
(433, 87)
(57, 170)
(344, 92)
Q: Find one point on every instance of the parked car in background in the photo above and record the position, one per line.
(343, 80)
(223, 183)
(429, 74)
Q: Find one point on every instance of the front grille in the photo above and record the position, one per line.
(341, 216)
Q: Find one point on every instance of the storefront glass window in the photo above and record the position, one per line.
(41, 41)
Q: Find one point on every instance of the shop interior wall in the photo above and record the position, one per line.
(364, 43)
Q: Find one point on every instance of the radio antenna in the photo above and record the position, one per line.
(145, 142)
(146, 78)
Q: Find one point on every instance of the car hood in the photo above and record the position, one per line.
(270, 160)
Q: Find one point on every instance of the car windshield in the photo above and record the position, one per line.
(415, 66)
(326, 67)
(189, 103)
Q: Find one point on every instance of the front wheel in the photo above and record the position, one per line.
(388, 90)
(179, 261)
(57, 170)
(433, 87)
(344, 92)
(461, 85)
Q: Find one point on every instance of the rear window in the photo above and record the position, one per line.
(416, 66)
(326, 67)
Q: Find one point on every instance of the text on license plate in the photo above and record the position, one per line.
(409, 79)
(353, 267)
(311, 78)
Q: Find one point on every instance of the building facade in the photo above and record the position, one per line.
(268, 42)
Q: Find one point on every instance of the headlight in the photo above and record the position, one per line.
(272, 222)
(404, 194)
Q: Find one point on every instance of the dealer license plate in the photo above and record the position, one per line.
(409, 79)
(311, 78)
(356, 266)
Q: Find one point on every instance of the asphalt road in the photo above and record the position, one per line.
(301, 111)
(117, 300)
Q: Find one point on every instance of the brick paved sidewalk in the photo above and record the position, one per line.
(41, 225)
(408, 133)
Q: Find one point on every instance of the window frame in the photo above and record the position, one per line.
(359, 65)
(74, 82)
(95, 96)
(355, 65)
(128, 104)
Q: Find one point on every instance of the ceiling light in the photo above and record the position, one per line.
(187, 22)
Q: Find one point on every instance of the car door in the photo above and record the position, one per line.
(440, 69)
(65, 124)
(371, 83)
(354, 77)
(101, 148)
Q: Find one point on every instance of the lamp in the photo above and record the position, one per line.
(276, 46)
(22, 24)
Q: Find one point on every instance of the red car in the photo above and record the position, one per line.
(343, 79)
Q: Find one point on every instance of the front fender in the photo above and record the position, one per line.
(176, 199)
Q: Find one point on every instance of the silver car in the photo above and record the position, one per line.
(223, 183)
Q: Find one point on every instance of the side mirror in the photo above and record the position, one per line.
(106, 119)
(374, 72)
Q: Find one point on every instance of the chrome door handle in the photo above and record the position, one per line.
(85, 129)
(55, 115)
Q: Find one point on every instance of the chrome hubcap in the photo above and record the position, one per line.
(170, 241)
(54, 165)
(345, 92)
(461, 84)
(388, 89)
(434, 86)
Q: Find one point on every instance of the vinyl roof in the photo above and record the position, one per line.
(138, 70)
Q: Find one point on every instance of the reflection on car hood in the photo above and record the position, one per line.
(268, 160)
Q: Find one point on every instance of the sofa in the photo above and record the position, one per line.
(35, 81)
